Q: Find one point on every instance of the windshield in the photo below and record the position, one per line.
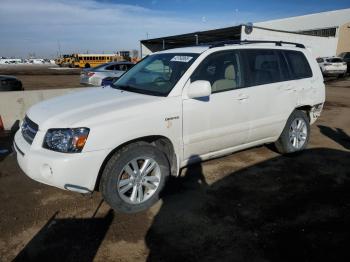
(156, 74)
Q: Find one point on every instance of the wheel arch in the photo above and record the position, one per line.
(306, 109)
(162, 142)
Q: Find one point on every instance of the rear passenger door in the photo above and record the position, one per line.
(305, 86)
(270, 91)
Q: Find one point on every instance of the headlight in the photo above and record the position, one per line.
(66, 140)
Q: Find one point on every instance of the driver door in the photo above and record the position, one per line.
(217, 122)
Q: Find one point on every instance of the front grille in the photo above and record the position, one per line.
(29, 130)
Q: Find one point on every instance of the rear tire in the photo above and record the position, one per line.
(295, 135)
(134, 177)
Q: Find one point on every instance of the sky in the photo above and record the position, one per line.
(45, 27)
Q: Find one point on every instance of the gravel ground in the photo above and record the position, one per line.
(35, 77)
(254, 205)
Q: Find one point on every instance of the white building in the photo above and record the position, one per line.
(325, 34)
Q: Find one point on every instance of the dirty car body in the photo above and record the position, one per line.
(173, 108)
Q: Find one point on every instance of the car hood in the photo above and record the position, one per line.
(88, 108)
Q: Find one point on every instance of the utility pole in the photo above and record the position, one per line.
(59, 47)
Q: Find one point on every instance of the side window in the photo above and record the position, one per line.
(298, 64)
(122, 67)
(111, 67)
(263, 66)
(222, 70)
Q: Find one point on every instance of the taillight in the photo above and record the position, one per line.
(1, 124)
(90, 74)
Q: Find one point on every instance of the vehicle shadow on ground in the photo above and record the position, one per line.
(289, 208)
(67, 239)
(337, 134)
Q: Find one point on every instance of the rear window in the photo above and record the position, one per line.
(334, 60)
(298, 64)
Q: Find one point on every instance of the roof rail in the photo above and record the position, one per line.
(241, 42)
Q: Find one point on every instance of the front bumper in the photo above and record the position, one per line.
(76, 172)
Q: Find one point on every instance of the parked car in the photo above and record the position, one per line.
(93, 76)
(346, 58)
(332, 66)
(206, 102)
(108, 81)
(10, 83)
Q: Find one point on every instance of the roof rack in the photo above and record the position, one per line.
(241, 42)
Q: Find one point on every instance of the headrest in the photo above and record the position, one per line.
(230, 72)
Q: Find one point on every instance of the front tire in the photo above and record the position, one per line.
(134, 177)
(295, 135)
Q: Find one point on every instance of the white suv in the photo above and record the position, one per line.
(173, 108)
(332, 66)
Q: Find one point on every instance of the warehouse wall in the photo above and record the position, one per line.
(13, 105)
(311, 21)
(319, 46)
(145, 51)
(344, 39)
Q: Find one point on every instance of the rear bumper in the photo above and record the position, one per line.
(334, 71)
(76, 172)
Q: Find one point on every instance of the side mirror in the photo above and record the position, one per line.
(198, 89)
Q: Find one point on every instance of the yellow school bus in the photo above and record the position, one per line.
(92, 60)
(64, 60)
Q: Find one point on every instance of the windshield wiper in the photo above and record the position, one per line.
(137, 90)
(121, 87)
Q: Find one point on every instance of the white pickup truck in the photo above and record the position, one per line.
(173, 108)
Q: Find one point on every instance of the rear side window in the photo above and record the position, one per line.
(262, 66)
(319, 60)
(298, 64)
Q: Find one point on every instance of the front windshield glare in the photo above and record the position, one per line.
(156, 74)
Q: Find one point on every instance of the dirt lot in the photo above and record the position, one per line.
(43, 76)
(255, 205)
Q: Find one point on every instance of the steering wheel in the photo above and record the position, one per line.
(160, 79)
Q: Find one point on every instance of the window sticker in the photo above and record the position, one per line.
(180, 58)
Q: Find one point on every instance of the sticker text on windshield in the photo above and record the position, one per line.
(180, 58)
